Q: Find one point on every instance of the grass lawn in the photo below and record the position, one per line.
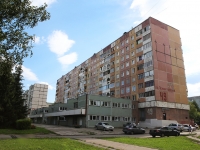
(165, 143)
(30, 131)
(44, 144)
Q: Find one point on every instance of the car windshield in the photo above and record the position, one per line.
(106, 123)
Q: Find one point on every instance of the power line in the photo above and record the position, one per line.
(152, 7)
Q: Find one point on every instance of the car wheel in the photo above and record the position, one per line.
(96, 128)
(124, 132)
(153, 136)
(104, 129)
(162, 135)
(132, 132)
(177, 134)
(143, 132)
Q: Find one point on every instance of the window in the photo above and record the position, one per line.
(133, 53)
(138, 33)
(122, 44)
(140, 85)
(127, 81)
(122, 59)
(117, 47)
(133, 79)
(150, 93)
(122, 90)
(117, 92)
(133, 88)
(146, 28)
(139, 49)
(140, 76)
(127, 64)
(139, 58)
(117, 61)
(117, 68)
(146, 37)
(134, 97)
(147, 45)
(117, 84)
(122, 66)
(133, 62)
(148, 54)
(127, 41)
(122, 51)
(76, 105)
(127, 72)
(127, 56)
(127, 89)
(141, 95)
(117, 76)
(122, 82)
(149, 83)
(127, 48)
(140, 67)
(132, 45)
(132, 37)
(133, 70)
(139, 41)
(122, 74)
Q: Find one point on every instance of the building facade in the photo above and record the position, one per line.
(86, 111)
(36, 96)
(196, 99)
(144, 65)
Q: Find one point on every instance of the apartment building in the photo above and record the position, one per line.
(36, 96)
(144, 65)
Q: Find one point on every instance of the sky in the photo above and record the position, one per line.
(79, 28)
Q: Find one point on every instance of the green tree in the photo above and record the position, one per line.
(16, 16)
(193, 111)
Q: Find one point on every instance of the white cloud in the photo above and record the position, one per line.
(41, 2)
(49, 86)
(28, 74)
(68, 59)
(193, 89)
(59, 42)
(181, 15)
(39, 40)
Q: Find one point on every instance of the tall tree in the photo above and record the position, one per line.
(16, 16)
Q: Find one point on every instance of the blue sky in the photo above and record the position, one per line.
(79, 28)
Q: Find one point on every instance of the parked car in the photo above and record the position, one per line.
(104, 126)
(186, 127)
(132, 129)
(164, 131)
(129, 123)
(176, 126)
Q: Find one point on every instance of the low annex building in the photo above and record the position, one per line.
(86, 111)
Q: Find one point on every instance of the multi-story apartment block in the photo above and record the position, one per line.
(145, 65)
(37, 96)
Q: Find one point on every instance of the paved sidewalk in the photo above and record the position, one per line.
(113, 145)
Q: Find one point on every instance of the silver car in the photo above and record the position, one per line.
(104, 126)
(186, 127)
(176, 126)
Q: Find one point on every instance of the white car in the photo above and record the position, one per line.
(186, 127)
(104, 126)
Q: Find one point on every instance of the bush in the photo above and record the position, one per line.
(23, 124)
(33, 127)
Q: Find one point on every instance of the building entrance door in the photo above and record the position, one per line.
(164, 116)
